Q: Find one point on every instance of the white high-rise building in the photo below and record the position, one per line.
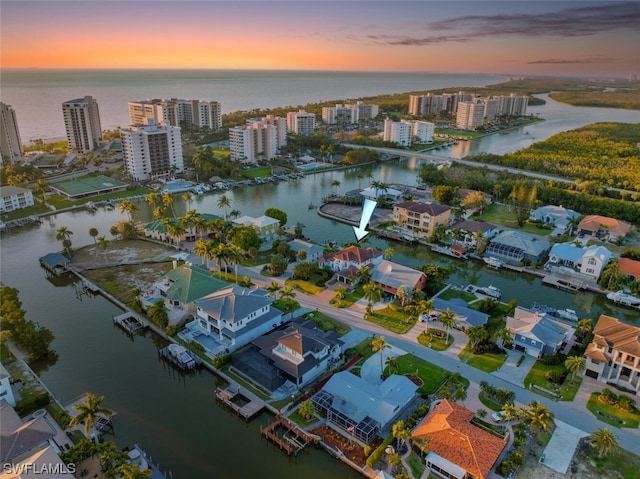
(364, 111)
(152, 150)
(490, 108)
(177, 112)
(10, 143)
(301, 122)
(470, 115)
(398, 132)
(339, 115)
(258, 140)
(422, 132)
(82, 124)
(513, 105)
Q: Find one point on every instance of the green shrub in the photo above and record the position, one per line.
(553, 359)
(379, 451)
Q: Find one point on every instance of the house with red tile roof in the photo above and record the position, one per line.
(603, 227)
(457, 448)
(350, 256)
(630, 268)
(614, 354)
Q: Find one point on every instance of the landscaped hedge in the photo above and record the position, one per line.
(377, 454)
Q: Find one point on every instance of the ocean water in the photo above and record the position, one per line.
(37, 95)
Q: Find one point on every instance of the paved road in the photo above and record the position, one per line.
(573, 413)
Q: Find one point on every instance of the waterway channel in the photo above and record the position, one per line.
(174, 416)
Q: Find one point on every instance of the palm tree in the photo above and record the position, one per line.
(175, 230)
(400, 431)
(389, 253)
(236, 255)
(90, 412)
(128, 207)
(220, 253)
(604, 441)
(336, 184)
(379, 344)
(203, 250)
(129, 470)
(363, 275)
(359, 176)
(307, 410)
(575, 365)
(392, 364)
(63, 234)
(102, 241)
(273, 289)
(509, 412)
(341, 293)
(93, 232)
(538, 416)
(187, 197)
(167, 201)
(448, 320)
(152, 199)
(460, 394)
(373, 294)
(288, 293)
(224, 202)
(584, 326)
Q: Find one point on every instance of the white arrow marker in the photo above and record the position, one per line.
(367, 211)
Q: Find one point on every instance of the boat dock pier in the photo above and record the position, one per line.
(129, 322)
(286, 435)
(238, 402)
(569, 284)
(180, 356)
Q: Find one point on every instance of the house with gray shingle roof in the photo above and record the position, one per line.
(537, 333)
(361, 408)
(557, 216)
(470, 230)
(514, 247)
(235, 316)
(20, 439)
(296, 354)
(588, 262)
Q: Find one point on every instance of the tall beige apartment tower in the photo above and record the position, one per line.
(10, 144)
(82, 123)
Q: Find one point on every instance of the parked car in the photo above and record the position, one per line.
(428, 317)
(498, 416)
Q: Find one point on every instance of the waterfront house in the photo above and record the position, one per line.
(390, 276)
(313, 251)
(421, 219)
(31, 444)
(603, 227)
(351, 257)
(457, 448)
(630, 268)
(295, 355)
(6, 392)
(465, 317)
(536, 333)
(180, 288)
(468, 232)
(557, 216)
(614, 354)
(14, 198)
(514, 247)
(266, 227)
(235, 316)
(586, 262)
(363, 409)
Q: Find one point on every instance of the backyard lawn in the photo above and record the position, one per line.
(327, 323)
(611, 414)
(307, 287)
(487, 362)
(501, 214)
(454, 292)
(542, 386)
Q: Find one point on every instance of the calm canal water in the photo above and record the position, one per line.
(174, 416)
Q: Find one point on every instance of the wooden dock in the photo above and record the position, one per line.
(129, 322)
(568, 284)
(238, 402)
(286, 435)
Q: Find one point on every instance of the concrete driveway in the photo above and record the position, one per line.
(513, 373)
(561, 447)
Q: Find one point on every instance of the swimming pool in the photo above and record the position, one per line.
(177, 186)
(312, 166)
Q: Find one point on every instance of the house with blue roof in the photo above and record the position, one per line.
(514, 247)
(536, 333)
(557, 216)
(465, 316)
(587, 262)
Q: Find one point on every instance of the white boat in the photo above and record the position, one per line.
(488, 292)
(493, 262)
(567, 314)
(620, 297)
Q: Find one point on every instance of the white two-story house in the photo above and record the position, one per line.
(235, 316)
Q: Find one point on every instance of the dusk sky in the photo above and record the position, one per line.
(508, 37)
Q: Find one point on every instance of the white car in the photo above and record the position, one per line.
(498, 416)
